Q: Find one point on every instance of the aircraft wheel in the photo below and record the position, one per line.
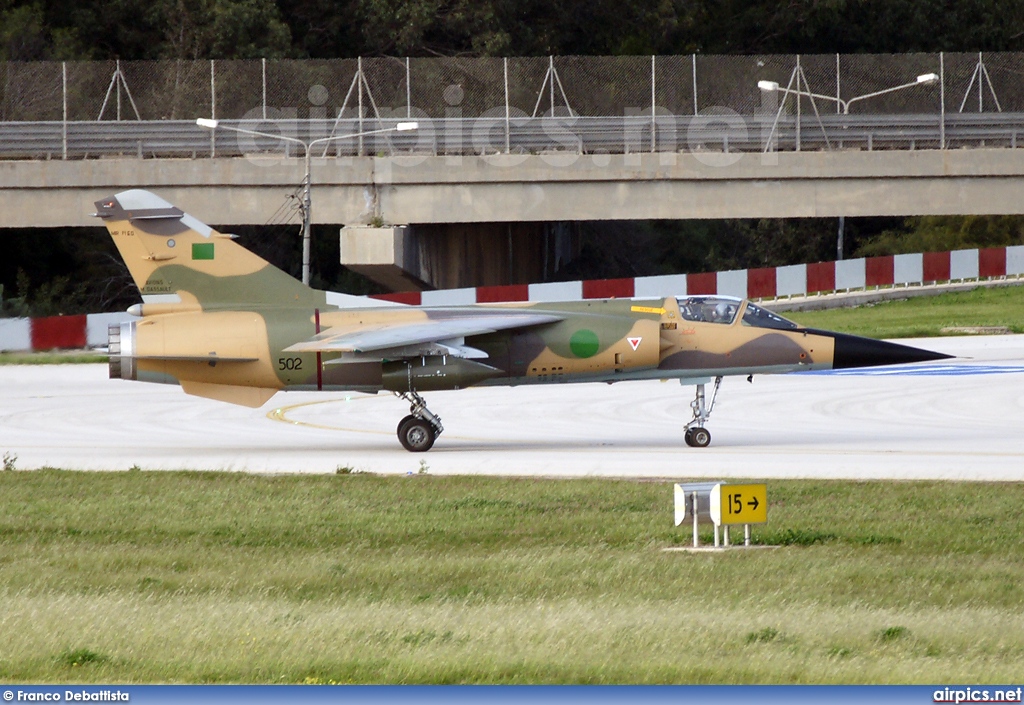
(700, 438)
(403, 422)
(688, 437)
(416, 435)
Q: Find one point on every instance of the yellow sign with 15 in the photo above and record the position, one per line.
(739, 504)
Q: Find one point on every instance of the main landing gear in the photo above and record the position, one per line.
(696, 435)
(418, 431)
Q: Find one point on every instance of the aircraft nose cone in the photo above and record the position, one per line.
(855, 351)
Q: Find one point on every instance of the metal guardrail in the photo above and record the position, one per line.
(587, 135)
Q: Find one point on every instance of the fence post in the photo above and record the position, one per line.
(264, 67)
(213, 110)
(408, 89)
(694, 61)
(839, 94)
(798, 102)
(942, 100)
(551, 83)
(981, 85)
(359, 80)
(64, 108)
(654, 125)
(508, 137)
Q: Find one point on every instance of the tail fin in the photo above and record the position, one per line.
(175, 259)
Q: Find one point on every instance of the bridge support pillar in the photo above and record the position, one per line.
(455, 255)
(386, 255)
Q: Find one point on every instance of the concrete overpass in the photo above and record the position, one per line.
(447, 192)
(541, 188)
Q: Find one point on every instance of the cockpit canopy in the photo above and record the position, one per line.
(723, 310)
(709, 309)
(763, 318)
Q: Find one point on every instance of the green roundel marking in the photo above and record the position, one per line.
(584, 343)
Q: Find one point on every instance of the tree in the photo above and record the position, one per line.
(524, 27)
(150, 29)
(162, 29)
(324, 28)
(942, 233)
(22, 32)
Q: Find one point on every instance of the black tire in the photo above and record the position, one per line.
(417, 435)
(403, 422)
(688, 437)
(700, 438)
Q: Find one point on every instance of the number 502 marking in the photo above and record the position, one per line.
(289, 363)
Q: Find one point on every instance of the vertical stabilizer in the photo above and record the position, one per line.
(175, 259)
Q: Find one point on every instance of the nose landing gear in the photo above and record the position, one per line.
(696, 435)
(418, 431)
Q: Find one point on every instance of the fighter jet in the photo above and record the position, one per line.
(225, 324)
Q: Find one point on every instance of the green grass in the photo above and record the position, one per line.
(924, 316)
(213, 577)
(53, 357)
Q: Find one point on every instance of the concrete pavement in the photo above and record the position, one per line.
(958, 420)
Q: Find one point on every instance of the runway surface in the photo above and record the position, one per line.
(959, 419)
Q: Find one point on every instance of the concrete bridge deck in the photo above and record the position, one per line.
(556, 186)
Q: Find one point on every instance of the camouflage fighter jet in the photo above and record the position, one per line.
(227, 325)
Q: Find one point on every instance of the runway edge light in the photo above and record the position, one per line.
(684, 501)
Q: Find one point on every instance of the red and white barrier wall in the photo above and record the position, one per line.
(764, 283)
(23, 334)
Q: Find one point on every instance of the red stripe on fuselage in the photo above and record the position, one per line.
(319, 359)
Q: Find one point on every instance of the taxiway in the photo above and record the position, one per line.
(959, 419)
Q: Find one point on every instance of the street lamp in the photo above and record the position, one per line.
(307, 182)
(925, 79)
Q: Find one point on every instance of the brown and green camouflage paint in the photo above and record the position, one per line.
(218, 319)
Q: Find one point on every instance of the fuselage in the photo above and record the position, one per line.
(225, 324)
(603, 340)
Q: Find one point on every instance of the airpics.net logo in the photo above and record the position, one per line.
(977, 695)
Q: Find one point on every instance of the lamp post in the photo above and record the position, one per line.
(307, 181)
(925, 79)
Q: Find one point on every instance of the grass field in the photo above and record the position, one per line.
(54, 357)
(924, 316)
(215, 577)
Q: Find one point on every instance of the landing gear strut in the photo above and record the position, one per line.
(696, 435)
(418, 431)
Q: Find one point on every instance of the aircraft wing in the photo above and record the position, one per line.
(410, 338)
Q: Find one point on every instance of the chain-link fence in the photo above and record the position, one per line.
(658, 103)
